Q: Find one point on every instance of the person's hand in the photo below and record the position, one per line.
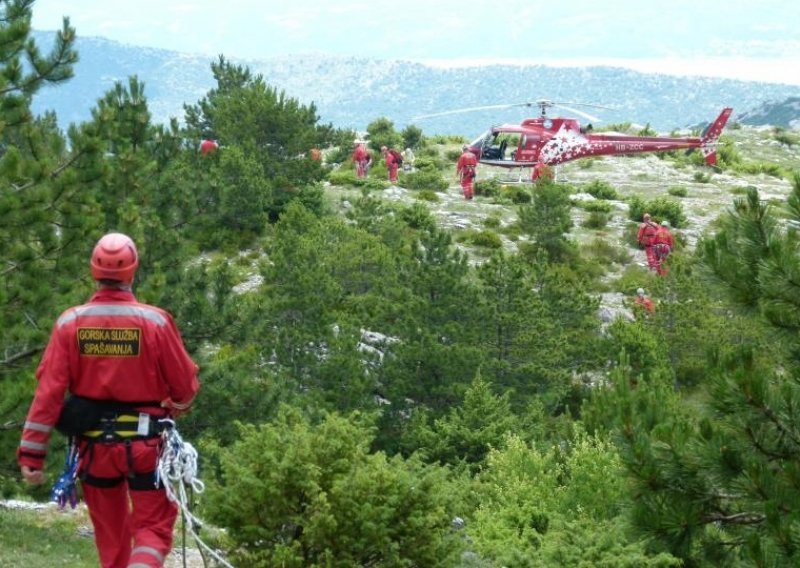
(32, 476)
(175, 410)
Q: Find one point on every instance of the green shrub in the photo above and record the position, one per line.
(606, 252)
(512, 231)
(629, 234)
(492, 222)
(428, 163)
(785, 138)
(356, 507)
(516, 193)
(702, 177)
(633, 277)
(452, 155)
(601, 190)
(598, 206)
(586, 164)
(425, 179)
(596, 220)
(659, 208)
(677, 191)
(487, 239)
(487, 187)
(756, 168)
(427, 195)
(342, 176)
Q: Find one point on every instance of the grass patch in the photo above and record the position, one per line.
(42, 539)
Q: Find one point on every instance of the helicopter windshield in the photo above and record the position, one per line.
(482, 139)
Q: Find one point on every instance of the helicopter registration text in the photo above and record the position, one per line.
(627, 147)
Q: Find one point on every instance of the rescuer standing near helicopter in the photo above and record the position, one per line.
(466, 171)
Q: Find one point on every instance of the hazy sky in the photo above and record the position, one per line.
(752, 40)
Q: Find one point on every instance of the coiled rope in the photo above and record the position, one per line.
(177, 471)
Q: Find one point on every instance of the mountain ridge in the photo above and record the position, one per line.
(350, 92)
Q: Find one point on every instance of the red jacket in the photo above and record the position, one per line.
(111, 348)
(647, 233)
(466, 164)
(646, 303)
(360, 154)
(664, 237)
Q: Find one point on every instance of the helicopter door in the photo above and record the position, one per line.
(528, 148)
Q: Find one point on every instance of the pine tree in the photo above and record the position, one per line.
(717, 481)
(47, 223)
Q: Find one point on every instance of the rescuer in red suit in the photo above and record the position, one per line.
(392, 163)
(541, 170)
(646, 236)
(362, 159)
(125, 367)
(644, 301)
(663, 243)
(466, 171)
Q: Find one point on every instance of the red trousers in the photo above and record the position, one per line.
(651, 257)
(467, 187)
(133, 521)
(393, 173)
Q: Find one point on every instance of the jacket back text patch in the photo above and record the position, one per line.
(109, 341)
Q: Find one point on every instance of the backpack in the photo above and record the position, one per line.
(398, 157)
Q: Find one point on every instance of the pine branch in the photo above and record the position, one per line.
(53, 175)
(736, 519)
(11, 359)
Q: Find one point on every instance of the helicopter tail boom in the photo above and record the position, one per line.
(708, 143)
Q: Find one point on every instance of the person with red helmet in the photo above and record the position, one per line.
(125, 367)
(646, 236)
(466, 171)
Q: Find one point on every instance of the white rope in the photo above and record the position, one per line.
(177, 469)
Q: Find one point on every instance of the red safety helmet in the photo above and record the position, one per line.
(115, 258)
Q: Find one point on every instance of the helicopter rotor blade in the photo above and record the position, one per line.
(541, 103)
(460, 110)
(585, 115)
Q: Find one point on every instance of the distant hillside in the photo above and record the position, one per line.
(785, 113)
(351, 92)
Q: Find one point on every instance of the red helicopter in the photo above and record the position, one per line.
(543, 141)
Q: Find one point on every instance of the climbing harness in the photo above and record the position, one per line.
(177, 471)
(64, 490)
